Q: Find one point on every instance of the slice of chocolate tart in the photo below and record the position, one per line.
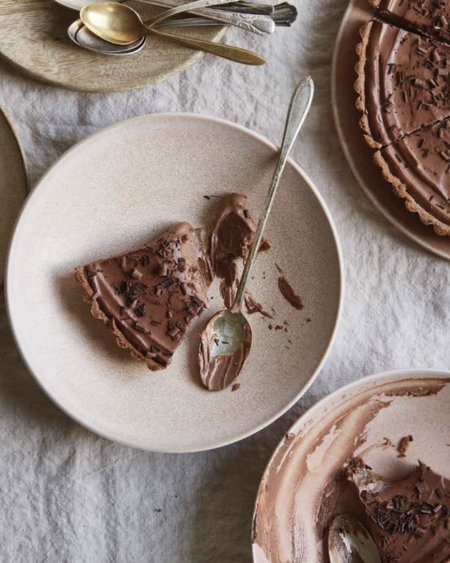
(430, 17)
(418, 167)
(149, 297)
(408, 519)
(403, 82)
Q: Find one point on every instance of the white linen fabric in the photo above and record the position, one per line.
(67, 495)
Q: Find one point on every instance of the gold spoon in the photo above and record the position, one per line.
(227, 338)
(122, 25)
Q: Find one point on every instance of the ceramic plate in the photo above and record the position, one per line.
(367, 418)
(117, 190)
(13, 184)
(357, 152)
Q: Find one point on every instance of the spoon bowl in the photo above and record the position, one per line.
(350, 542)
(83, 37)
(224, 349)
(114, 23)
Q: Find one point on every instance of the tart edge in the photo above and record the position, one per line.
(360, 84)
(400, 189)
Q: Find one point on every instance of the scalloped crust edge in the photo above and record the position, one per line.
(97, 313)
(400, 189)
(360, 84)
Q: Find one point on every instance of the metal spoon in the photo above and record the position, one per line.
(350, 542)
(122, 25)
(227, 338)
(256, 23)
(82, 37)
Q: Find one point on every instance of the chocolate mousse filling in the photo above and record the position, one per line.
(418, 168)
(231, 241)
(149, 297)
(409, 519)
(403, 82)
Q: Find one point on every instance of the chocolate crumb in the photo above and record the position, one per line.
(264, 246)
(236, 386)
(254, 306)
(403, 445)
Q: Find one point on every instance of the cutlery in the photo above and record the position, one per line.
(256, 23)
(350, 542)
(227, 338)
(257, 18)
(122, 25)
(84, 38)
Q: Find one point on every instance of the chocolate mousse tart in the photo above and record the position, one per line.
(403, 88)
(149, 297)
(408, 519)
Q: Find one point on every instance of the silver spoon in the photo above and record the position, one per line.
(227, 338)
(84, 38)
(259, 24)
(81, 36)
(350, 542)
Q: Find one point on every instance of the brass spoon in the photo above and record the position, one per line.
(122, 25)
(350, 542)
(227, 338)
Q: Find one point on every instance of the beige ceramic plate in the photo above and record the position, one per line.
(33, 38)
(117, 190)
(366, 418)
(358, 154)
(13, 184)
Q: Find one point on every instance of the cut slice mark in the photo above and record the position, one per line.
(401, 23)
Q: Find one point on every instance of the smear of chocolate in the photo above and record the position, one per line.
(287, 292)
(231, 241)
(254, 306)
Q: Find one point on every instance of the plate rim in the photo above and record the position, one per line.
(108, 130)
(393, 375)
(347, 154)
(25, 187)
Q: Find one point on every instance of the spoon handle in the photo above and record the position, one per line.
(298, 110)
(229, 52)
(185, 8)
(260, 24)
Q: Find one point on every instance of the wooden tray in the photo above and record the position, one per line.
(33, 38)
(13, 185)
(357, 152)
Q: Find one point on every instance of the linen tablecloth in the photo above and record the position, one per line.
(67, 495)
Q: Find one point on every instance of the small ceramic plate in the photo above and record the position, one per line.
(13, 184)
(299, 492)
(116, 191)
(357, 152)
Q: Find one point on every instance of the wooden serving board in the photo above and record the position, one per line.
(33, 38)
(13, 185)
